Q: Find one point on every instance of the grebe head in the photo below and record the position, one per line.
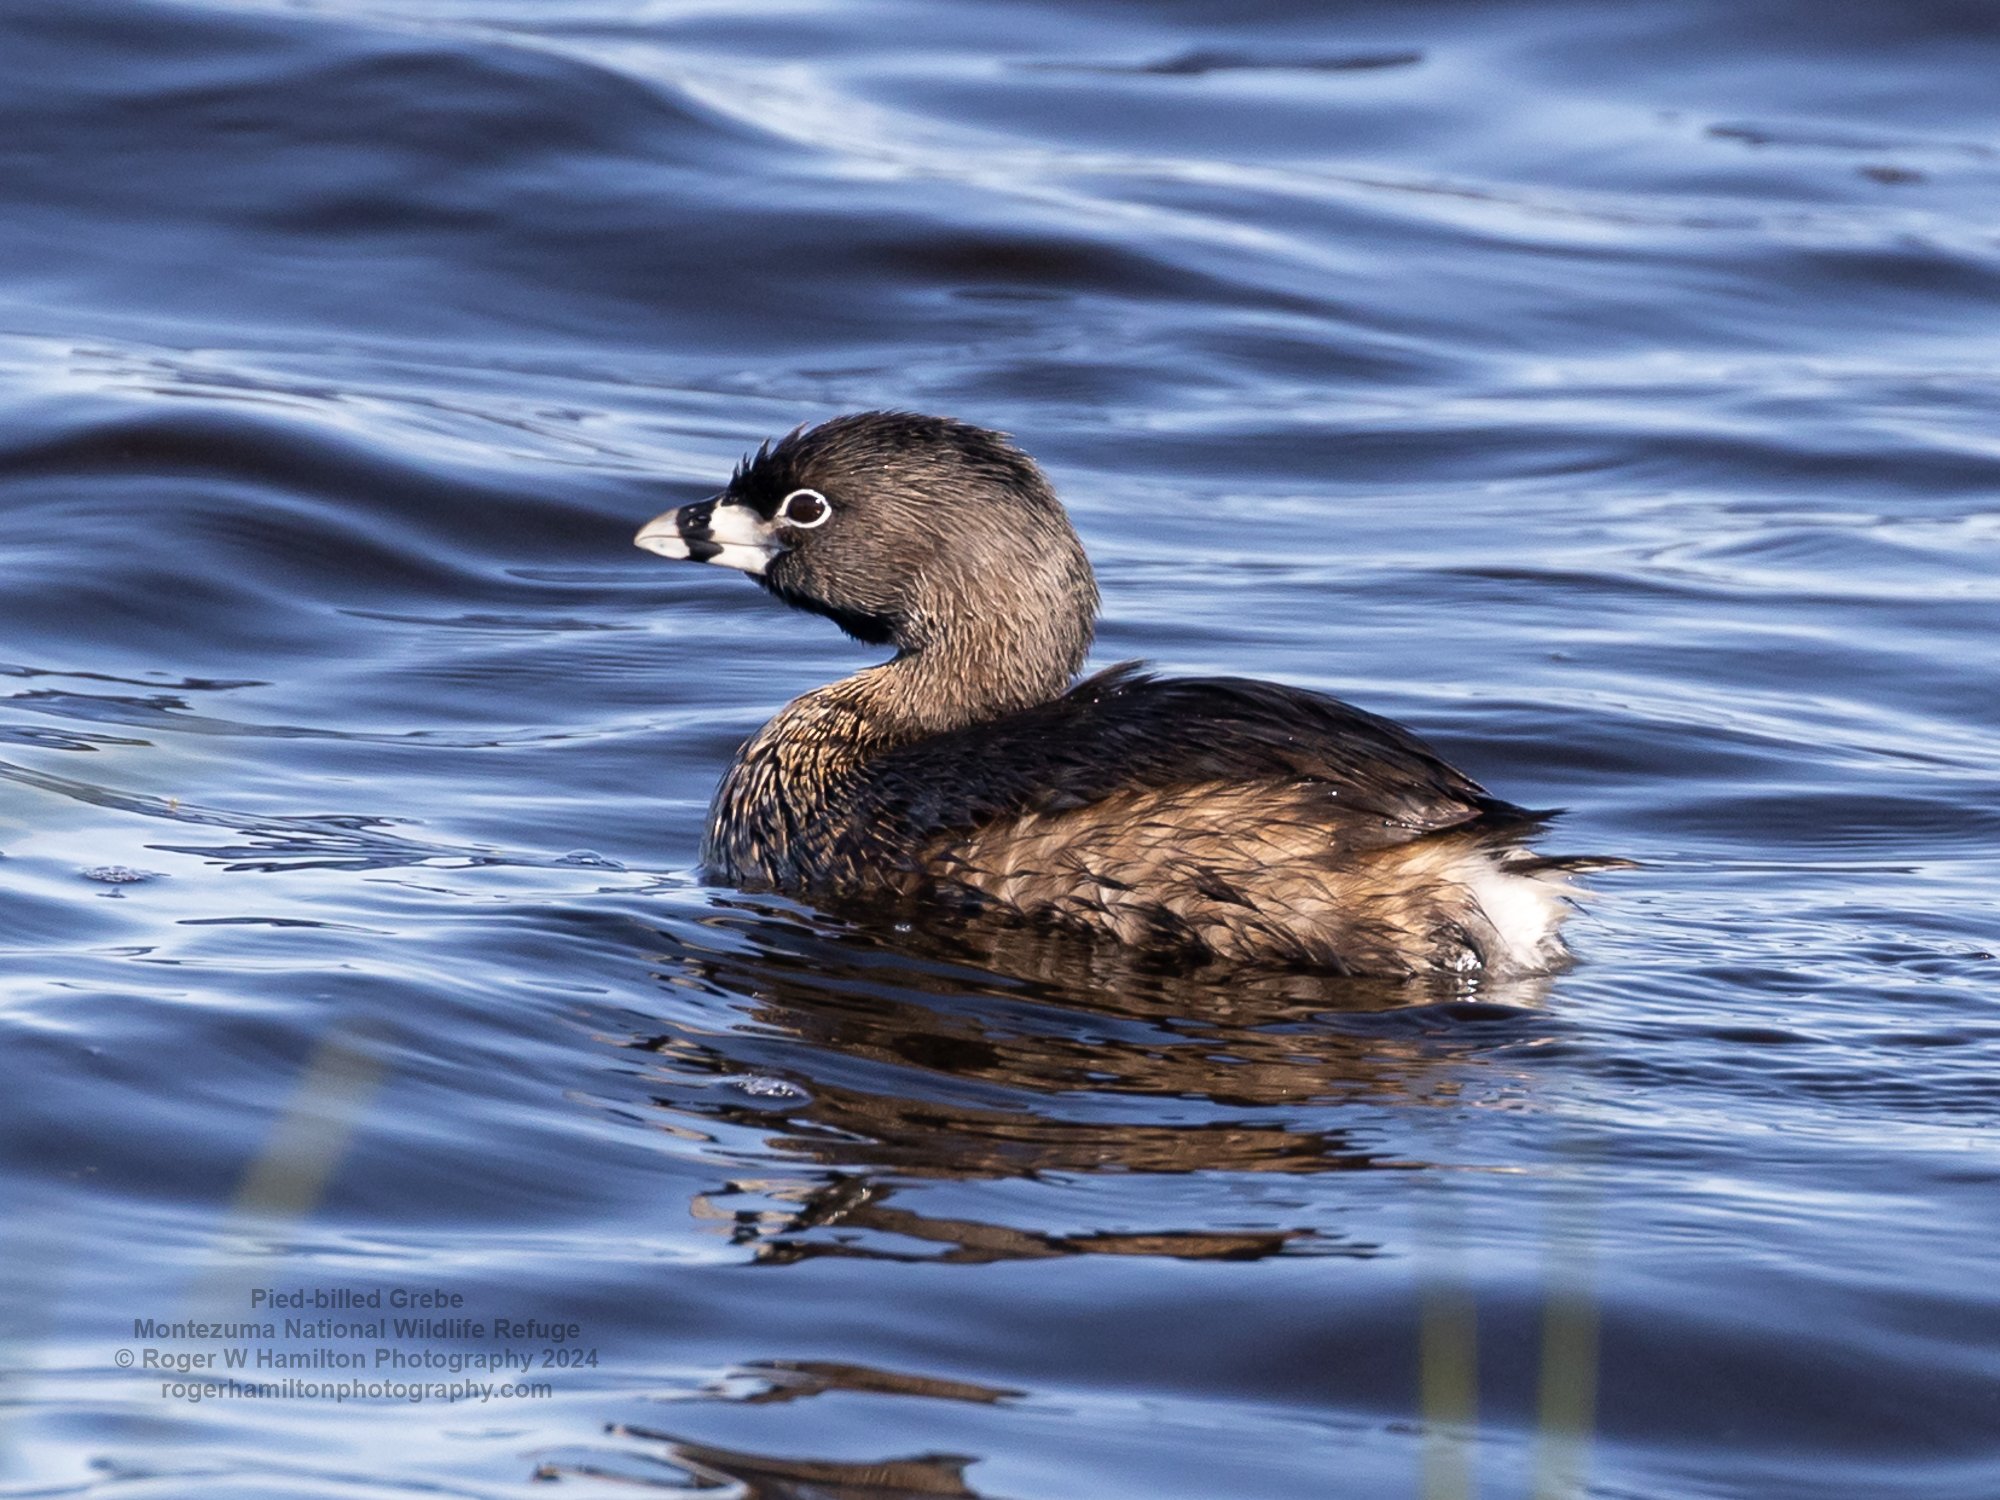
(926, 533)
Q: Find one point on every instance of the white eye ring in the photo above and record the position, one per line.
(811, 498)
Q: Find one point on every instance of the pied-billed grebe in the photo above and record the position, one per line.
(1210, 817)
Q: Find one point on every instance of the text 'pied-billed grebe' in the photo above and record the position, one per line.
(1207, 817)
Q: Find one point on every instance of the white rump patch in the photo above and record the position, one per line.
(1526, 911)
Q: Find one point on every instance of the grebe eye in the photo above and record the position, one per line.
(805, 509)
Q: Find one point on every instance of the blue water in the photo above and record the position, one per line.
(1607, 392)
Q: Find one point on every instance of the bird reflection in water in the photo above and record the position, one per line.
(640, 1453)
(1000, 1060)
(760, 1476)
(989, 1053)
